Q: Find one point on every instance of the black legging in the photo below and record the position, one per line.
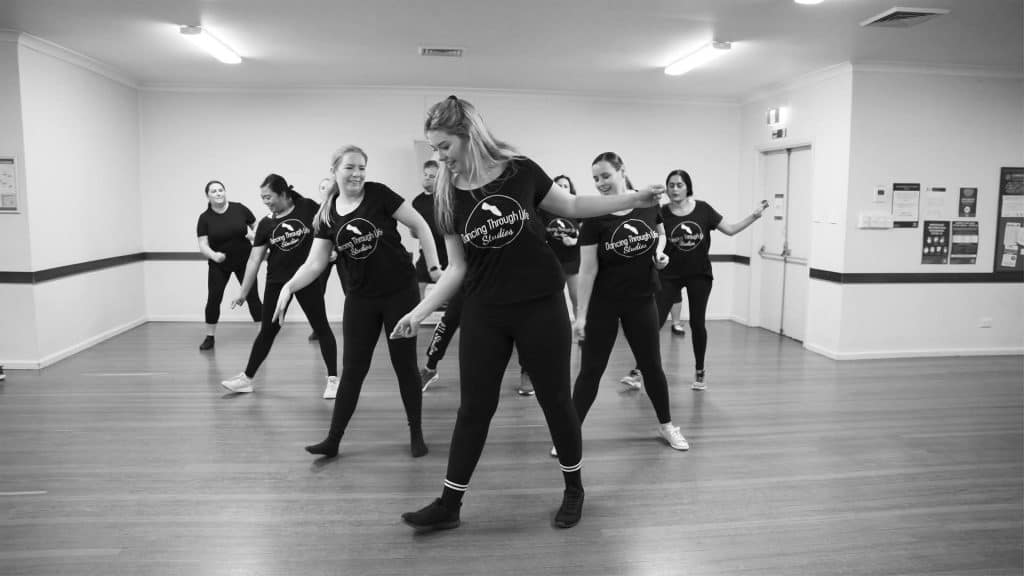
(445, 331)
(639, 319)
(364, 318)
(698, 290)
(312, 302)
(540, 330)
(216, 281)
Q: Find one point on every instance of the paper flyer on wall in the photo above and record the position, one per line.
(968, 203)
(964, 249)
(8, 186)
(906, 199)
(1010, 221)
(935, 242)
(935, 204)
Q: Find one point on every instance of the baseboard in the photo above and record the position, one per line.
(888, 354)
(199, 318)
(72, 350)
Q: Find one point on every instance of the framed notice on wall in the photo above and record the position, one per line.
(8, 186)
(1010, 221)
(906, 202)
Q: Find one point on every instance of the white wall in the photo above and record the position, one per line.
(81, 165)
(188, 138)
(817, 108)
(938, 129)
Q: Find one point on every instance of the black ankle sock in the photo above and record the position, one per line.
(573, 480)
(418, 446)
(451, 499)
(328, 448)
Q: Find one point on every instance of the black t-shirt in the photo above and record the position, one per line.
(424, 204)
(289, 239)
(369, 246)
(557, 228)
(625, 252)
(507, 256)
(226, 233)
(688, 240)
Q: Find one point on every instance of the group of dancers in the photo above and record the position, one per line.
(499, 240)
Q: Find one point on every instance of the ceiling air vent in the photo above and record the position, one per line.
(443, 52)
(903, 17)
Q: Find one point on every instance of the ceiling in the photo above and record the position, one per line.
(601, 47)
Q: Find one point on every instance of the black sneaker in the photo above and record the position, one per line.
(525, 385)
(434, 516)
(678, 329)
(313, 337)
(207, 343)
(2, 375)
(571, 510)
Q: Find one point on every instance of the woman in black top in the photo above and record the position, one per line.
(563, 238)
(284, 238)
(223, 232)
(688, 224)
(618, 282)
(487, 202)
(360, 220)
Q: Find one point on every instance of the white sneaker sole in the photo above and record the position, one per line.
(698, 387)
(681, 448)
(239, 390)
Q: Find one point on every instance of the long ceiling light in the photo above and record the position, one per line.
(202, 38)
(707, 53)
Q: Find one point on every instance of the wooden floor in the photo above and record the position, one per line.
(129, 459)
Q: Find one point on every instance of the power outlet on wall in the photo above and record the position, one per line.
(984, 322)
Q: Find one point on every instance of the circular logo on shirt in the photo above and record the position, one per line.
(288, 234)
(357, 239)
(494, 222)
(686, 236)
(559, 228)
(632, 238)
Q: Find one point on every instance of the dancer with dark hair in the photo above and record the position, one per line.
(618, 283)
(487, 203)
(688, 224)
(284, 238)
(223, 237)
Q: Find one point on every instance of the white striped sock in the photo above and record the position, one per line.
(576, 468)
(457, 487)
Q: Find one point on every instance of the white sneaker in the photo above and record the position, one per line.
(634, 380)
(331, 390)
(674, 437)
(554, 452)
(698, 381)
(427, 377)
(240, 383)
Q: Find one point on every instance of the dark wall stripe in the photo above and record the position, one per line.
(826, 275)
(918, 277)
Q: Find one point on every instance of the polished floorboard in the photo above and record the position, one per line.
(129, 458)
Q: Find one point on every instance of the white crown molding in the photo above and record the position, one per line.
(809, 79)
(438, 91)
(71, 57)
(907, 68)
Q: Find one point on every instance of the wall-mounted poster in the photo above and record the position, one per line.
(935, 243)
(935, 203)
(964, 249)
(968, 202)
(1009, 255)
(8, 186)
(906, 200)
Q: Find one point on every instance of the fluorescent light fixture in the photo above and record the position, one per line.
(708, 52)
(809, 2)
(212, 45)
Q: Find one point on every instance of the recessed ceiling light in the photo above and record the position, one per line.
(202, 38)
(808, 1)
(705, 54)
